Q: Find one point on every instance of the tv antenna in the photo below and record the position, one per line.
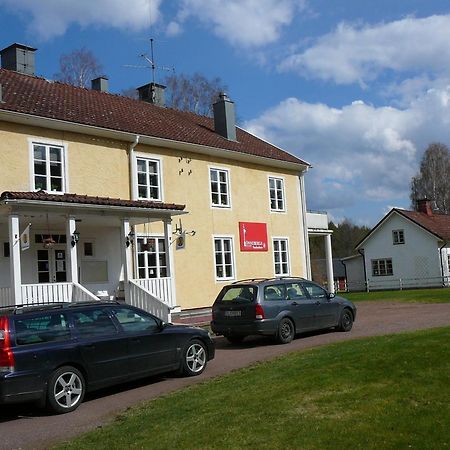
(151, 63)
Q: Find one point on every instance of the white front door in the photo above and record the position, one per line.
(51, 264)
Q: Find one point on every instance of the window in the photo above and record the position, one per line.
(382, 267)
(48, 168)
(148, 179)
(220, 191)
(42, 328)
(223, 253)
(398, 237)
(276, 190)
(274, 293)
(135, 322)
(314, 291)
(238, 294)
(151, 257)
(88, 249)
(295, 291)
(6, 249)
(94, 322)
(281, 256)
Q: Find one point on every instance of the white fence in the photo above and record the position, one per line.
(161, 288)
(397, 284)
(144, 299)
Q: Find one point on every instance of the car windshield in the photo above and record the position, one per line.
(238, 294)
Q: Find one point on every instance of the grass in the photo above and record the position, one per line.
(438, 295)
(389, 392)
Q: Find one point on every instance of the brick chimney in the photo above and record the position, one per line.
(424, 206)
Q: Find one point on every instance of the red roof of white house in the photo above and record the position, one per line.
(39, 97)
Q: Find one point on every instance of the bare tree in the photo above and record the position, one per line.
(433, 179)
(193, 93)
(78, 68)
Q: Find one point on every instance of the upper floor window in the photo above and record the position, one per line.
(281, 256)
(276, 191)
(148, 179)
(224, 259)
(48, 168)
(152, 257)
(220, 189)
(382, 267)
(398, 237)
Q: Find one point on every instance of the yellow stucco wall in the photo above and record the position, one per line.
(98, 166)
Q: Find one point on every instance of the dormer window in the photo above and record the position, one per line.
(398, 237)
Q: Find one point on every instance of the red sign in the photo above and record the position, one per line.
(253, 237)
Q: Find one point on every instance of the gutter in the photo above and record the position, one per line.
(361, 252)
(444, 245)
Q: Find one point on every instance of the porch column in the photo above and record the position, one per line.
(329, 259)
(126, 256)
(170, 256)
(14, 260)
(72, 259)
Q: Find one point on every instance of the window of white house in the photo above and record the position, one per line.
(382, 267)
(148, 179)
(88, 249)
(48, 168)
(281, 256)
(151, 257)
(276, 191)
(220, 189)
(223, 254)
(398, 237)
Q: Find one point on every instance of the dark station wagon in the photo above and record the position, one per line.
(278, 307)
(55, 353)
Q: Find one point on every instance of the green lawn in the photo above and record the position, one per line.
(440, 295)
(389, 392)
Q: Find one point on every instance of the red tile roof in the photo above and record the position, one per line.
(88, 200)
(39, 97)
(438, 224)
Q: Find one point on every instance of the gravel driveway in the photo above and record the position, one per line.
(21, 427)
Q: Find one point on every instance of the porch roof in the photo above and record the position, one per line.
(136, 207)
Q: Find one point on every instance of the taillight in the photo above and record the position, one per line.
(6, 354)
(259, 312)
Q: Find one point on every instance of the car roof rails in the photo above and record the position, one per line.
(20, 309)
(250, 280)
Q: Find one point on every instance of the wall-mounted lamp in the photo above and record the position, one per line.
(75, 238)
(180, 232)
(130, 238)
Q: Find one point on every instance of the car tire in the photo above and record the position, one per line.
(235, 340)
(65, 390)
(286, 331)
(194, 358)
(345, 320)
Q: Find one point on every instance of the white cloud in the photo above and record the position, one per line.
(358, 54)
(359, 153)
(50, 18)
(248, 23)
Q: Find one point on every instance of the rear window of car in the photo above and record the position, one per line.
(238, 294)
(41, 328)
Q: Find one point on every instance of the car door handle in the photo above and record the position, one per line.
(317, 303)
(294, 303)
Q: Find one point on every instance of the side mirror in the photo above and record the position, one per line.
(331, 295)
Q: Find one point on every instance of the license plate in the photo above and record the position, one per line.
(232, 313)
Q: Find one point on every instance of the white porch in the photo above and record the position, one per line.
(79, 252)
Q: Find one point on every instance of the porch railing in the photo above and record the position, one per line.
(144, 299)
(81, 294)
(46, 293)
(161, 288)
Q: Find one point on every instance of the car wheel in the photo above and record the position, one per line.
(194, 358)
(285, 332)
(235, 339)
(345, 321)
(66, 389)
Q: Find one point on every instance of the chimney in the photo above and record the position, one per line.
(424, 206)
(100, 84)
(152, 93)
(224, 117)
(18, 57)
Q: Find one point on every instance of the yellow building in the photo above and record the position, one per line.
(104, 196)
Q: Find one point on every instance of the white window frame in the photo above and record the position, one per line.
(396, 234)
(158, 267)
(47, 143)
(233, 257)
(385, 262)
(288, 257)
(283, 194)
(227, 184)
(159, 163)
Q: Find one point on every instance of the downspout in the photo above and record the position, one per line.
(442, 262)
(361, 252)
(133, 180)
(305, 225)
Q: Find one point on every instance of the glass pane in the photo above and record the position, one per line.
(218, 245)
(223, 177)
(224, 199)
(55, 169)
(40, 183)
(141, 165)
(154, 193)
(227, 245)
(151, 258)
(142, 273)
(55, 154)
(152, 167)
(215, 199)
(142, 179)
(163, 272)
(142, 192)
(213, 175)
(44, 277)
(39, 152)
(56, 184)
(161, 245)
(40, 168)
(141, 260)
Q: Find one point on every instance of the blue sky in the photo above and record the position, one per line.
(355, 87)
